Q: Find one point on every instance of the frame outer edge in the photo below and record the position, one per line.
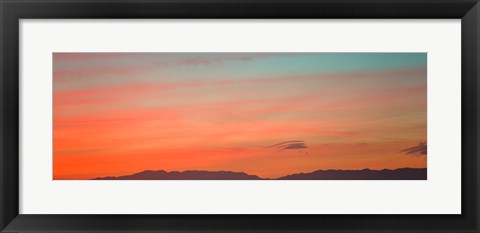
(2, 221)
(470, 49)
(8, 201)
(3, 218)
(476, 12)
(9, 114)
(478, 113)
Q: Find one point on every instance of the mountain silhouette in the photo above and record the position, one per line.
(185, 175)
(365, 174)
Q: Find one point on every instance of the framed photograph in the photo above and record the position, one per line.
(239, 116)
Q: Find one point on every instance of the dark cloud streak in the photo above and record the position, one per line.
(289, 145)
(295, 146)
(420, 149)
(285, 142)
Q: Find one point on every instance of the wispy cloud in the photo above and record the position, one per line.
(110, 67)
(295, 146)
(86, 56)
(82, 151)
(289, 145)
(420, 149)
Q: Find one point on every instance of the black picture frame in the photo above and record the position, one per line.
(11, 11)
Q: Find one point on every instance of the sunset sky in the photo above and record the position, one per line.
(265, 114)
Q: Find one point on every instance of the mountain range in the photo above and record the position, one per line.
(365, 174)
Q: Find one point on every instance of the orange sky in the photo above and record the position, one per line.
(122, 113)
